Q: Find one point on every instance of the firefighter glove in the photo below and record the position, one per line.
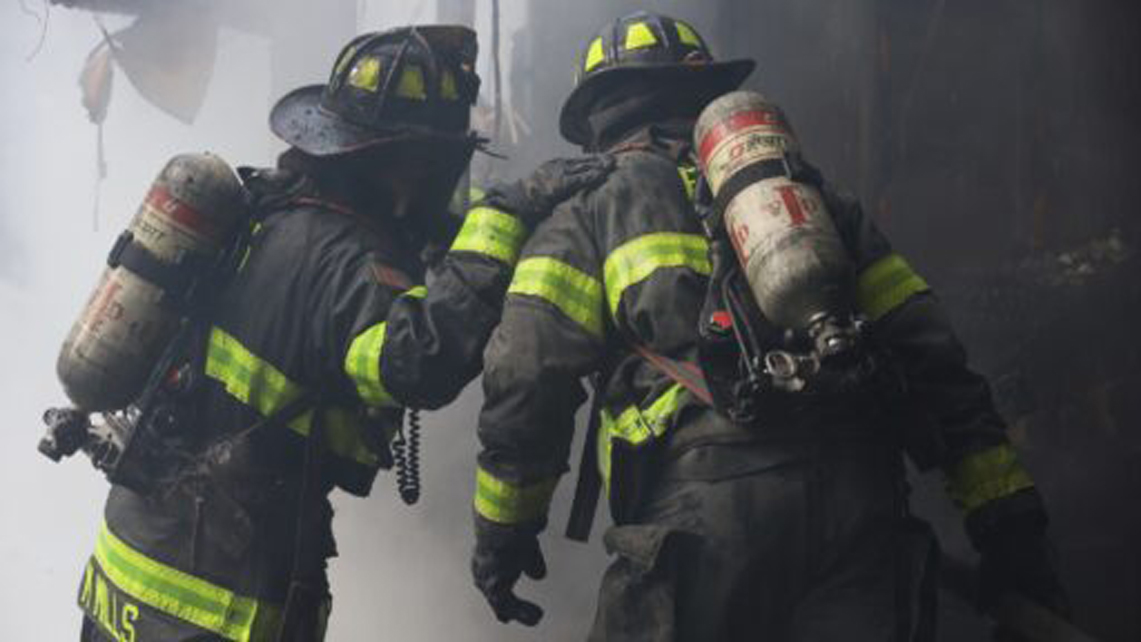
(1017, 555)
(532, 199)
(504, 552)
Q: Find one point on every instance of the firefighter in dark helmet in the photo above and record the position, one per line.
(317, 344)
(789, 526)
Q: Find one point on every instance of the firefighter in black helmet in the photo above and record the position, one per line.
(789, 526)
(321, 339)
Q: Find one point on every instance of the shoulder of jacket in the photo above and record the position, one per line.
(638, 168)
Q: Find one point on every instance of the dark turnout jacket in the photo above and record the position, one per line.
(627, 263)
(325, 301)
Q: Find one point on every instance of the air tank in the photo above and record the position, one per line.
(792, 256)
(189, 216)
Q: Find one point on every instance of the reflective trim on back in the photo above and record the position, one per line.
(261, 386)
(636, 260)
(575, 293)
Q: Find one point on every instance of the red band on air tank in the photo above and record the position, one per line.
(734, 124)
(163, 202)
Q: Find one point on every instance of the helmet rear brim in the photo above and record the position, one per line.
(299, 119)
(714, 78)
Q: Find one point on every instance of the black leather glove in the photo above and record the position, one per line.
(533, 198)
(1017, 555)
(502, 554)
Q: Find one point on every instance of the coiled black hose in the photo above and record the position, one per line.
(406, 455)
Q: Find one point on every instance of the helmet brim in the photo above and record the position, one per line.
(714, 78)
(299, 119)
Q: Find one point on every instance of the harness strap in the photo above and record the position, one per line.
(687, 374)
(589, 485)
(305, 576)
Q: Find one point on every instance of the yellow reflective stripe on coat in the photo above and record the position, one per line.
(491, 232)
(886, 284)
(986, 476)
(362, 361)
(184, 596)
(506, 503)
(258, 384)
(575, 293)
(637, 426)
(634, 261)
(688, 174)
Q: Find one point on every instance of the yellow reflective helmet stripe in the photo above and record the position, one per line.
(411, 84)
(595, 55)
(258, 384)
(635, 260)
(639, 35)
(492, 233)
(504, 502)
(184, 596)
(365, 74)
(636, 426)
(986, 476)
(885, 285)
(687, 35)
(575, 293)
(362, 361)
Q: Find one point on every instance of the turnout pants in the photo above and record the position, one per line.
(797, 543)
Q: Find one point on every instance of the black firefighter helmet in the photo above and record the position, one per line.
(650, 46)
(411, 83)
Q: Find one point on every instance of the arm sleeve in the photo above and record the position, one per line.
(398, 345)
(969, 440)
(551, 335)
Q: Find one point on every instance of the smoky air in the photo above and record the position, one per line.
(993, 142)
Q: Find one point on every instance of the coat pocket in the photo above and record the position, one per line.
(637, 600)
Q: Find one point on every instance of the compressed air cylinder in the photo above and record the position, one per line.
(187, 219)
(793, 258)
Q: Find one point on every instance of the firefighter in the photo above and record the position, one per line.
(792, 526)
(317, 344)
